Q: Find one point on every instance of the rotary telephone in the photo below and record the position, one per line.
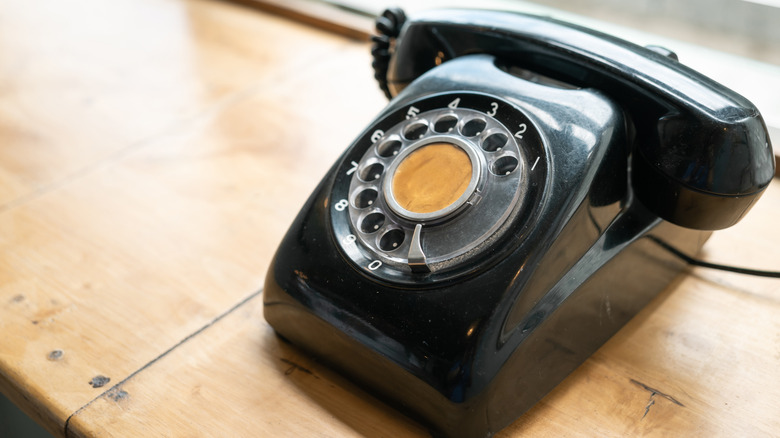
(511, 209)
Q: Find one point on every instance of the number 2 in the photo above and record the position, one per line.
(523, 128)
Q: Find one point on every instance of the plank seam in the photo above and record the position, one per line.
(162, 355)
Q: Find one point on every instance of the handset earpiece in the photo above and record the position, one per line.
(702, 154)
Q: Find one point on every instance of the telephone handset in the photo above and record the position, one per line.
(526, 175)
(702, 154)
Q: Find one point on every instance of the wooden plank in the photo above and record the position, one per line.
(79, 91)
(154, 228)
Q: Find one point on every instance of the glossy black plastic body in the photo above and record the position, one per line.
(646, 152)
(469, 355)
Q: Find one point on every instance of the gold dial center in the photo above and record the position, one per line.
(432, 178)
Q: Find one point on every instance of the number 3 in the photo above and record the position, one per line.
(493, 109)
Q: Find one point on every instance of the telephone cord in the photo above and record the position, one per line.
(696, 262)
(388, 27)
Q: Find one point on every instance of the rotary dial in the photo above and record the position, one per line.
(437, 188)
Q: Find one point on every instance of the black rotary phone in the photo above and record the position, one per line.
(509, 211)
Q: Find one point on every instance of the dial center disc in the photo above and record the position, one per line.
(432, 178)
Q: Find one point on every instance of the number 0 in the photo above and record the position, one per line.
(349, 238)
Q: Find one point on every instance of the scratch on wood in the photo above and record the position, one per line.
(294, 366)
(654, 391)
(647, 408)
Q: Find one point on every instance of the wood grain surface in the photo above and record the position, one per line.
(153, 154)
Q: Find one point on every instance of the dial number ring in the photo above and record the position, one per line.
(466, 227)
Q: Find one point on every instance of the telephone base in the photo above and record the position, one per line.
(489, 385)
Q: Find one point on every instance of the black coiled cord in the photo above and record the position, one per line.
(388, 26)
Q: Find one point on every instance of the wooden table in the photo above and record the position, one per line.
(153, 154)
